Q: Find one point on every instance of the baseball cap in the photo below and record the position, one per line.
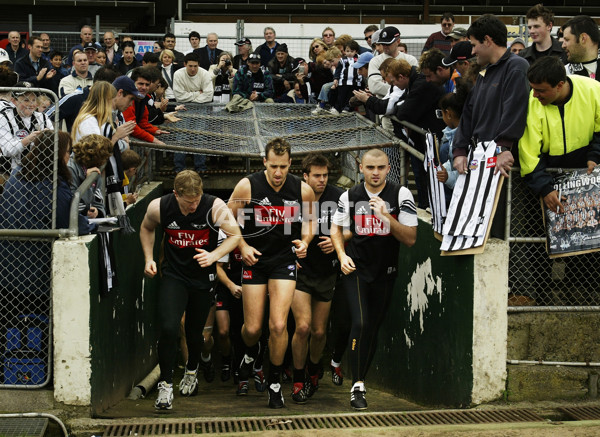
(363, 59)
(4, 56)
(297, 63)
(243, 41)
(388, 35)
(127, 84)
(458, 33)
(90, 46)
(23, 85)
(375, 37)
(460, 52)
(518, 40)
(254, 57)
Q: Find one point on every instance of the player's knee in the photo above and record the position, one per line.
(253, 331)
(318, 334)
(278, 328)
(302, 329)
(223, 332)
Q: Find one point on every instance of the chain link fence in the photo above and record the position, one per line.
(27, 220)
(568, 281)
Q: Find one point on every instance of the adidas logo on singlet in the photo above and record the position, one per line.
(362, 210)
(173, 225)
(265, 201)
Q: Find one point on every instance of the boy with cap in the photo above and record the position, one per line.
(252, 82)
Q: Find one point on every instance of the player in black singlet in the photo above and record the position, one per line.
(270, 203)
(381, 215)
(191, 221)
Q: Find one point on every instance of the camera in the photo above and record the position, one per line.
(227, 62)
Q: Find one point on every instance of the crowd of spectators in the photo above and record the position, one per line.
(339, 74)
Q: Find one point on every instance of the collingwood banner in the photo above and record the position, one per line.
(575, 230)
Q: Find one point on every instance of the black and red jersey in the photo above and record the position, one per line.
(273, 219)
(183, 235)
(372, 247)
(317, 262)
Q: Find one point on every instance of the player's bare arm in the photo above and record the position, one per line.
(236, 290)
(337, 238)
(406, 235)
(239, 199)
(223, 218)
(308, 223)
(149, 224)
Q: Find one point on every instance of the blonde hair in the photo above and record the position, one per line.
(342, 40)
(319, 41)
(333, 53)
(168, 53)
(187, 183)
(98, 105)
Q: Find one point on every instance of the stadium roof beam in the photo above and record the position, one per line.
(90, 3)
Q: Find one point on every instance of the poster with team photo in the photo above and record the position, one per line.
(574, 231)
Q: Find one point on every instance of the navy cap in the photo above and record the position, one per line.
(460, 52)
(127, 84)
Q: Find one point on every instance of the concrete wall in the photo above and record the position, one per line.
(104, 345)
(444, 339)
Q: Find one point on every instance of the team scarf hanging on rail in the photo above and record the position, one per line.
(435, 188)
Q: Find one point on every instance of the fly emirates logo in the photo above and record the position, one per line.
(188, 238)
(276, 215)
(370, 225)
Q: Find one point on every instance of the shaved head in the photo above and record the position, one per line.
(374, 153)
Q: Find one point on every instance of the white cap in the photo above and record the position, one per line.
(4, 56)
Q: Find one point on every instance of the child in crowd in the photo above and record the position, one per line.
(346, 79)
(451, 107)
(43, 103)
(332, 59)
(131, 161)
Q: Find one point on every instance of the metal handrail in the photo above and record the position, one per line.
(73, 230)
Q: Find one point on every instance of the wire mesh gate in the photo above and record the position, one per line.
(28, 168)
(211, 129)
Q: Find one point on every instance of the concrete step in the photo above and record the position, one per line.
(548, 383)
(21, 400)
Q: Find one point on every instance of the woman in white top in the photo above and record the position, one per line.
(168, 69)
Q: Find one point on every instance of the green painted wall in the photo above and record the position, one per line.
(437, 368)
(122, 323)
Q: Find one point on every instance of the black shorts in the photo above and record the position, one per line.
(319, 287)
(225, 300)
(261, 275)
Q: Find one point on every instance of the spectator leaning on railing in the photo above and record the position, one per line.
(20, 123)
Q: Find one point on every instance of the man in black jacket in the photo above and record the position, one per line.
(209, 54)
(33, 68)
(14, 47)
